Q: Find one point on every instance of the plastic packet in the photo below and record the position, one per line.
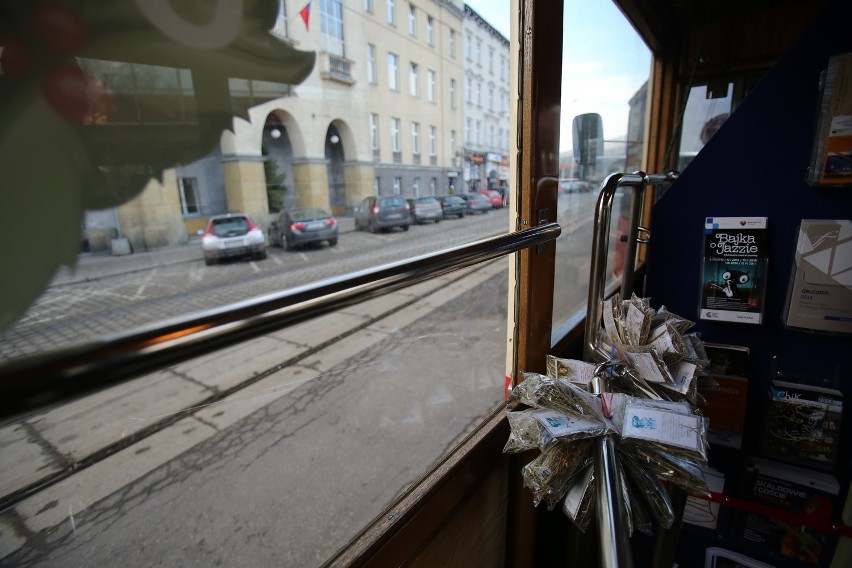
(542, 391)
(676, 469)
(548, 476)
(637, 322)
(612, 321)
(648, 489)
(575, 372)
(646, 362)
(579, 501)
(543, 428)
(673, 430)
(663, 315)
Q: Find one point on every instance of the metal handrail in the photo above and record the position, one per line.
(36, 382)
(614, 539)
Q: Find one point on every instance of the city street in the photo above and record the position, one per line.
(275, 451)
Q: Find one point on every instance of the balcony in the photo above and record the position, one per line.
(335, 68)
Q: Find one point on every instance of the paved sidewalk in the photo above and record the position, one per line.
(91, 266)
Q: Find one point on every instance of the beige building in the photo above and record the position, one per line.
(380, 113)
(486, 103)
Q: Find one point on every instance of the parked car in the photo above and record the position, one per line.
(494, 198)
(476, 203)
(425, 209)
(453, 205)
(302, 226)
(576, 186)
(383, 212)
(232, 235)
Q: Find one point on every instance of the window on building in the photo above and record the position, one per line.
(452, 93)
(391, 12)
(415, 137)
(395, 129)
(491, 99)
(368, 6)
(433, 185)
(453, 143)
(397, 185)
(452, 41)
(412, 20)
(372, 76)
(331, 26)
(503, 67)
(433, 141)
(377, 186)
(468, 130)
(279, 28)
(468, 46)
(415, 186)
(477, 92)
(479, 52)
(413, 80)
(468, 89)
(430, 86)
(393, 71)
(374, 131)
(477, 132)
(430, 30)
(189, 202)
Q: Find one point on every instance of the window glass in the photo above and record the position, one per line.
(606, 67)
(278, 450)
(707, 108)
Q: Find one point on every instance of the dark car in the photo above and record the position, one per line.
(453, 205)
(384, 212)
(302, 226)
(476, 203)
(425, 209)
(232, 235)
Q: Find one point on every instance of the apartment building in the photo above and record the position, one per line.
(486, 103)
(380, 113)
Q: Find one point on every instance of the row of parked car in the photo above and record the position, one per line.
(378, 213)
(237, 235)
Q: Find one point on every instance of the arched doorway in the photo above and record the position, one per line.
(278, 165)
(336, 180)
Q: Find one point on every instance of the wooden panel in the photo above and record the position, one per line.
(475, 536)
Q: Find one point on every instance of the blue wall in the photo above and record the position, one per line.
(755, 166)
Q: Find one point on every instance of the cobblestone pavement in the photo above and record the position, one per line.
(95, 298)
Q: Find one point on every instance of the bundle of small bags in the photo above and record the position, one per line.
(649, 408)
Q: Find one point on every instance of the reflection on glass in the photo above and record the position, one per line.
(605, 75)
(274, 452)
(706, 110)
(279, 450)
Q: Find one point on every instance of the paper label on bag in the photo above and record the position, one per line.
(661, 340)
(647, 367)
(635, 323)
(559, 425)
(679, 430)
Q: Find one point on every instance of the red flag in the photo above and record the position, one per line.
(306, 14)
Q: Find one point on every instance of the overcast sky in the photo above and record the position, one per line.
(604, 62)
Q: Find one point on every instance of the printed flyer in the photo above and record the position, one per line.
(733, 272)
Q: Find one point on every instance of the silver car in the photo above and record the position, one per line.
(232, 235)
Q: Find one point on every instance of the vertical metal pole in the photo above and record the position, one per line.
(611, 513)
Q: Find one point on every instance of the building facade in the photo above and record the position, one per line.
(382, 112)
(486, 108)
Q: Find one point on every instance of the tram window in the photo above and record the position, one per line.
(279, 450)
(606, 67)
(707, 108)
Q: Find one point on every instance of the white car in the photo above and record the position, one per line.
(232, 235)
